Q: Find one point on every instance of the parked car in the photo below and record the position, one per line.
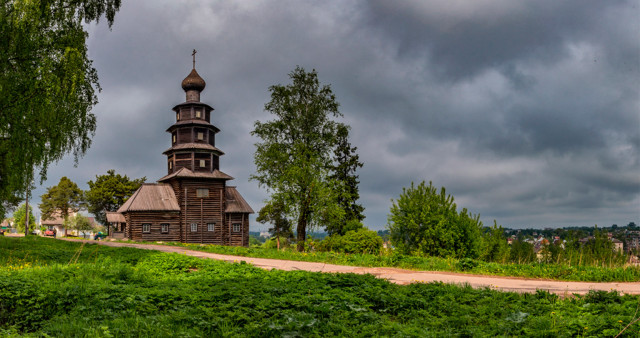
(49, 232)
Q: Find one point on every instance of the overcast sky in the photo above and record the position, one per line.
(528, 112)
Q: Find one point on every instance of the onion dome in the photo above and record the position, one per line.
(193, 82)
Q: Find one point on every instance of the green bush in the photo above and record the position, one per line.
(467, 264)
(361, 241)
(426, 221)
(272, 243)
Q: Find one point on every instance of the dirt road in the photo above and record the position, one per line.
(401, 276)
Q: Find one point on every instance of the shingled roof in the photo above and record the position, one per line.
(151, 197)
(115, 217)
(55, 220)
(235, 202)
(184, 172)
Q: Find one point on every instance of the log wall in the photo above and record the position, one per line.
(196, 210)
(201, 211)
(136, 219)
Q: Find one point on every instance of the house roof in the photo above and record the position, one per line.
(115, 217)
(235, 202)
(203, 146)
(151, 197)
(56, 218)
(186, 173)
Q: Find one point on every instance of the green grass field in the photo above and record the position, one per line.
(586, 273)
(64, 289)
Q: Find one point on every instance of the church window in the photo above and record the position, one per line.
(202, 164)
(174, 138)
(165, 228)
(236, 227)
(200, 136)
(146, 227)
(177, 116)
(170, 164)
(202, 193)
(211, 227)
(194, 227)
(198, 114)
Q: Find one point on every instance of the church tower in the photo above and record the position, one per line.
(192, 203)
(193, 137)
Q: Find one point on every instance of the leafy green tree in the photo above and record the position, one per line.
(47, 87)
(293, 159)
(109, 192)
(61, 200)
(79, 223)
(10, 203)
(343, 171)
(274, 213)
(425, 221)
(495, 246)
(522, 252)
(254, 241)
(19, 218)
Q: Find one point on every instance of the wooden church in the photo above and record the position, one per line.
(192, 203)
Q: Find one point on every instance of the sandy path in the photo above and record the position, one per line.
(401, 276)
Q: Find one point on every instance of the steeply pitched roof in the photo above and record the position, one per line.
(184, 172)
(235, 202)
(151, 197)
(115, 217)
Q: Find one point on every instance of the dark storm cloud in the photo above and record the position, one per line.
(465, 37)
(527, 112)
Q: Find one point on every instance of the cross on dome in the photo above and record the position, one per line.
(193, 84)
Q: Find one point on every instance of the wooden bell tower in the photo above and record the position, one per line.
(193, 137)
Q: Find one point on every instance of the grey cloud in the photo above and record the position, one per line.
(462, 45)
(527, 112)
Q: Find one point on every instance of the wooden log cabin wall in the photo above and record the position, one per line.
(192, 203)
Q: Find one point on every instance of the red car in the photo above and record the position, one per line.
(49, 232)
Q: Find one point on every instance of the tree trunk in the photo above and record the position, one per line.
(303, 220)
(302, 231)
(26, 208)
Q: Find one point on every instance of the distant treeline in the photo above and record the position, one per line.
(572, 232)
